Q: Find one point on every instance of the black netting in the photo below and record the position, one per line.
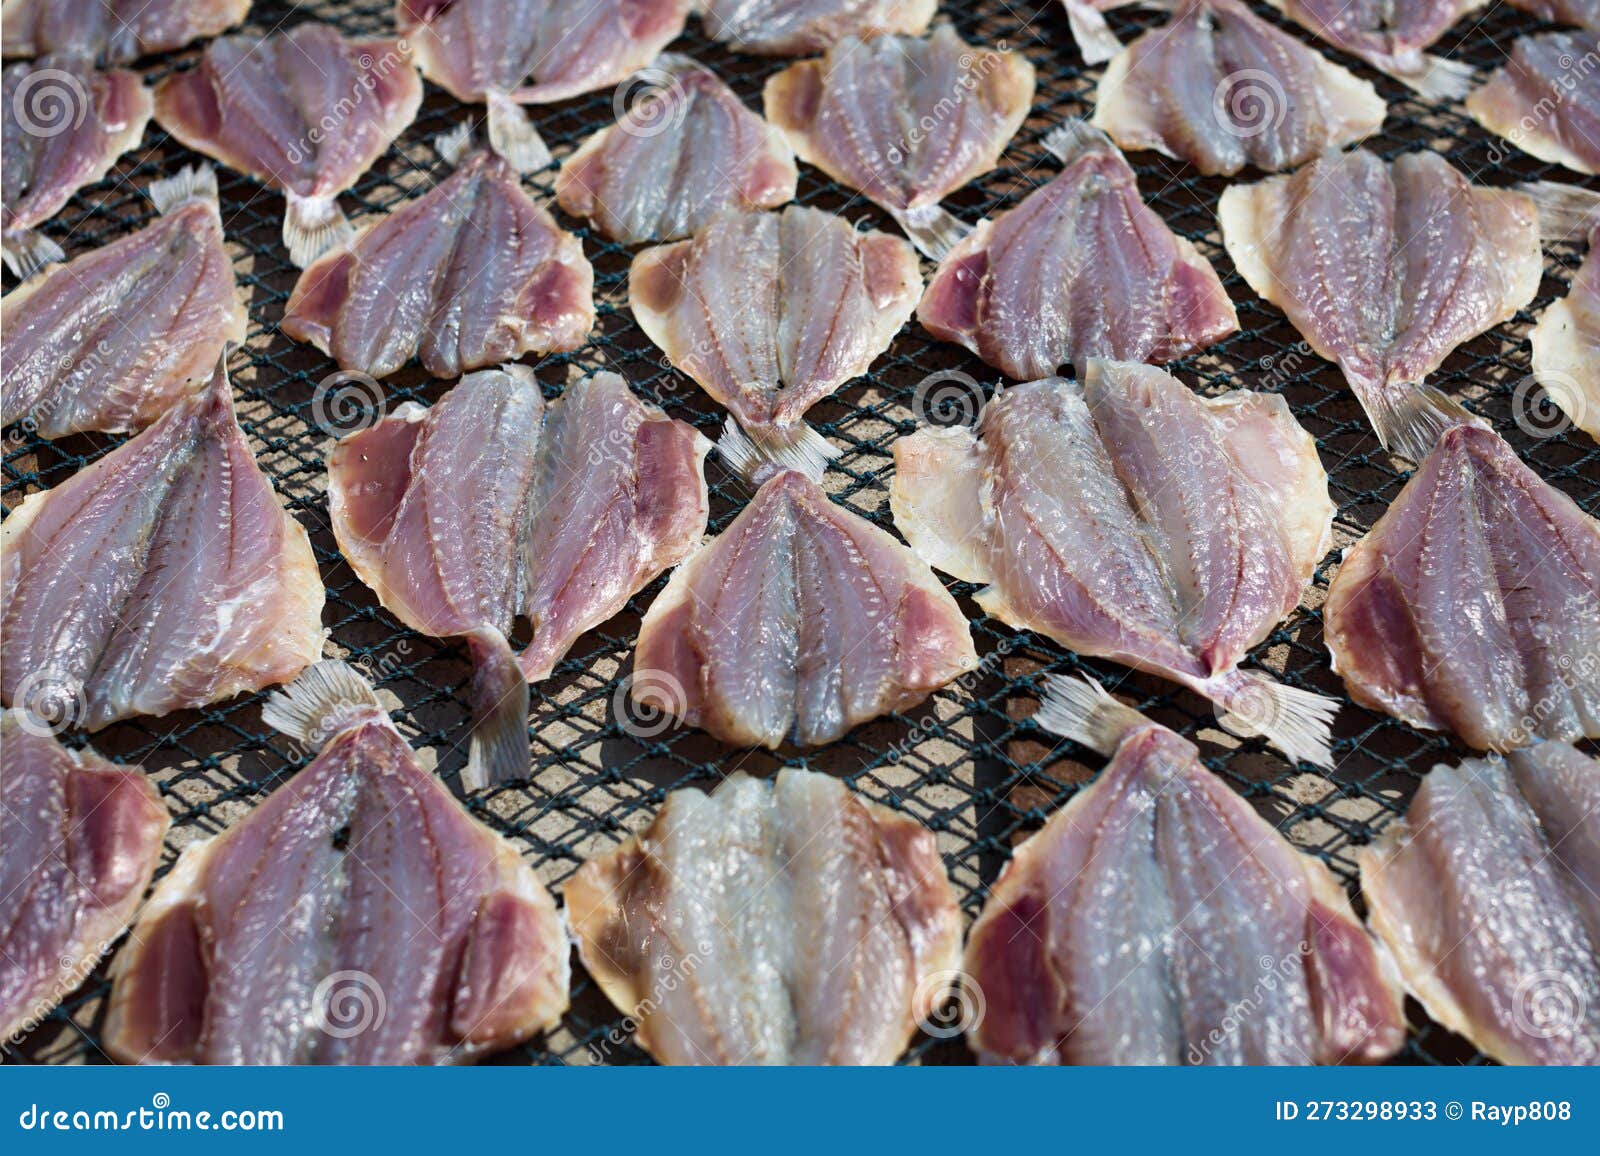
(967, 763)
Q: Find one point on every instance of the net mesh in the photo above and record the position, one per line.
(967, 763)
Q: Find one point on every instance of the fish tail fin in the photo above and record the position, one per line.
(312, 226)
(499, 697)
(932, 229)
(1095, 39)
(1073, 137)
(1564, 210)
(1410, 418)
(328, 698)
(1080, 709)
(26, 252)
(797, 447)
(1298, 722)
(194, 183)
(454, 145)
(1439, 78)
(513, 136)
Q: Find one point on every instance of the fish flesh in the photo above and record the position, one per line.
(1544, 101)
(80, 839)
(472, 273)
(771, 312)
(797, 623)
(491, 506)
(1581, 13)
(114, 31)
(1385, 269)
(305, 112)
(1486, 895)
(508, 53)
(1095, 40)
(862, 113)
(1080, 268)
(1473, 605)
(359, 915)
(1566, 345)
(1392, 36)
(164, 576)
(65, 125)
(115, 338)
(1155, 906)
(1130, 518)
(796, 27)
(1221, 88)
(684, 153)
(781, 922)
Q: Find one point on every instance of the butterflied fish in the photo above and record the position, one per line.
(861, 115)
(79, 841)
(1392, 36)
(1156, 904)
(684, 153)
(490, 506)
(1080, 268)
(1544, 101)
(796, 27)
(113, 339)
(1221, 88)
(508, 53)
(798, 622)
(165, 575)
(771, 312)
(114, 31)
(359, 915)
(65, 125)
(1385, 269)
(1473, 604)
(305, 112)
(1129, 517)
(471, 273)
(1566, 345)
(1486, 895)
(782, 922)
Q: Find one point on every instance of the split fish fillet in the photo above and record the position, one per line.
(164, 576)
(782, 922)
(1095, 40)
(114, 31)
(1130, 518)
(79, 840)
(490, 506)
(1080, 268)
(1486, 893)
(1391, 35)
(1566, 345)
(1545, 100)
(508, 53)
(305, 112)
(771, 312)
(1158, 919)
(800, 621)
(471, 273)
(1221, 88)
(115, 338)
(1473, 605)
(796, 27)
(1385, 269)
(359, 915)
(1581, 13)
(685, 153)
(862, 112)
(65, 125)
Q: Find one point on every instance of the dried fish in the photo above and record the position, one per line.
(1546, 100)
(796, 27)
(114, 31)
(1391, 35)
(1566, 345)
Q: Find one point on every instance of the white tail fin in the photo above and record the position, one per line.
(499, 697)
(1438, 78)
(1080, 709)
(1094, 36)
(330, 697)
(195, 183)
(313, 226)
(1073, 137)
(796, 447)
(932, 230)
(454, 145)
(27, 252)
(1566, 212)
(1298, 722)
(513, 136)
(1411, 418)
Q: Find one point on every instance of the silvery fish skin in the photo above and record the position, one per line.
(81, 839)
(782, 922)
(1566, 346)
(1223, 89)
(1386, 269)
(113, 339)
(1156, 904)
(1131, 518)
(114, 31)
(65, 125)
(686, 153)
(1391, 35)
(800, 621)
(796, 27)
(1080, 268)
(470, 274)
(1544, 101)
(1473, 605)
(359, 915)
(166, 575)
(1486, 895)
